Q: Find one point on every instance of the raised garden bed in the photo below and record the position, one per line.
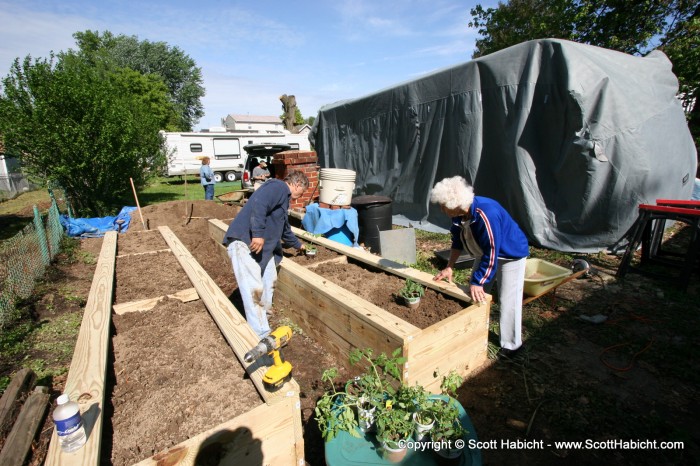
(341, 320)
(174, 394)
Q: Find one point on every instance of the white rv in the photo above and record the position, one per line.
(224, 148)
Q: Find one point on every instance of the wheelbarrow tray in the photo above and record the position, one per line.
(232, 196)
(541, 276)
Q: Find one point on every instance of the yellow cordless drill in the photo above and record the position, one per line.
(281, 370)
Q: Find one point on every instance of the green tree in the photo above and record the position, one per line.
(682, 45)
(88, 127)
(614, 24)
(177, 70)
(298, 117)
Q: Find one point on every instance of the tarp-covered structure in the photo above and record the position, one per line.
(569, 138)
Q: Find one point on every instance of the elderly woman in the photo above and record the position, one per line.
(483, 228)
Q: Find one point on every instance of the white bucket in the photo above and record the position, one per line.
(336, 186)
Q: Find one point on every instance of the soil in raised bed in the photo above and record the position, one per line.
(382, 288)
(174, 377)
(173, 374)
(136, 273)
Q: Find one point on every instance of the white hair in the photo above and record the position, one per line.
(453, 193)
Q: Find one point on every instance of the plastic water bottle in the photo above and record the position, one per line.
(69, 424)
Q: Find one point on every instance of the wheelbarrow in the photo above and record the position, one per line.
(542, 277)
(233, 197)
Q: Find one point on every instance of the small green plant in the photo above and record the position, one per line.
(451, 383)
(447, 425)
(394, 424)
(411, 289)
(310, 249)
(445, 412)
(335, 410)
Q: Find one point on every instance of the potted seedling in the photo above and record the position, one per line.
(411, 293)
(310, 250)
(334, 411)
(422, 414)
(394, 429)
(448, 429)
(366, 394)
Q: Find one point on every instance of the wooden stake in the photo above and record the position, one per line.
(137, 203)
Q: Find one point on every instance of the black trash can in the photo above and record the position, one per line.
(373, 216)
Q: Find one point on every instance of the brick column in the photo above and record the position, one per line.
(302, 160)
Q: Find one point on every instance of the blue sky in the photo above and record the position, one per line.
(250, 53)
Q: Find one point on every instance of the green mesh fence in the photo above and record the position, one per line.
(23, 259)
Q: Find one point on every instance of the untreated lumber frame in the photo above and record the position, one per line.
(242, 338)
(341, 321)
(273, 429)
(88, 370)
(232, 324)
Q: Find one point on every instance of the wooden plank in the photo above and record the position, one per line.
(308, 314)
(466, 356)
(185, 296)
(19, 441)
(21, 383)
(232, 324)
(86, 377)
(265, 435)
(444, 344)
(347, 302)
(142, 253)
(335, 260)
(456, 291)
(217, 230)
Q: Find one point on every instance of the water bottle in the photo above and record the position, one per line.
(69, 424)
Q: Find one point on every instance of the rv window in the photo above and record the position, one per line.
(227, 149)
(195, 147)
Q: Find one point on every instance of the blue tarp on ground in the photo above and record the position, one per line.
(96, 227)
(338, 225)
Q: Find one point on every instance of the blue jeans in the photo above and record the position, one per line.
(208, 192)
(256, 288)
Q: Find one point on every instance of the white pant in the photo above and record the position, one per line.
(256, 288)
(510, 277)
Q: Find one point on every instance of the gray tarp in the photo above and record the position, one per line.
(569, 138)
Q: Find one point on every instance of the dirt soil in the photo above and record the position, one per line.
(631, 377)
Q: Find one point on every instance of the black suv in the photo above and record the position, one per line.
(259, 153)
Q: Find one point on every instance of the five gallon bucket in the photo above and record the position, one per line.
(336, 186)
(373, 216)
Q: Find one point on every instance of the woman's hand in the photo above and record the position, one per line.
(444, 274)
(477, 293)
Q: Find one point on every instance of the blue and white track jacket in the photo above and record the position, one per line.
(490, 233)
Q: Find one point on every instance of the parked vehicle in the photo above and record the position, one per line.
(225, 150)
(260, 153)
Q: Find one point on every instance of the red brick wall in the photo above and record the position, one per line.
(305, 161)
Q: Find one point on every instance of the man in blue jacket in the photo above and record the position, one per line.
(254, 241)
(482, 227)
